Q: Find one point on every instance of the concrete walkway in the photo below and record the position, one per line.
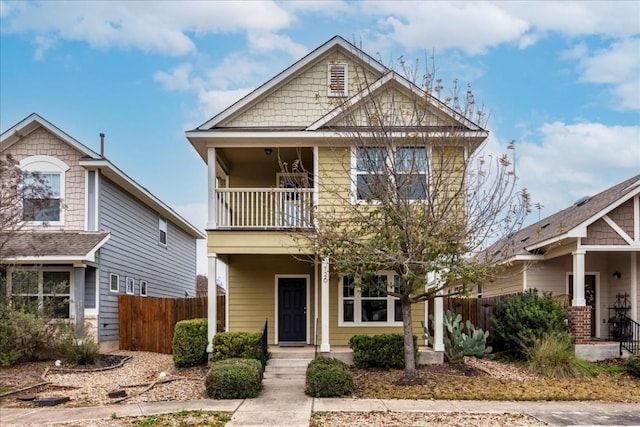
(283, 403)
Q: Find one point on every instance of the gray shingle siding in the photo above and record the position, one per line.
(134, 251)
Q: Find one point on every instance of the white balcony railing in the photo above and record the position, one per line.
(264, 208)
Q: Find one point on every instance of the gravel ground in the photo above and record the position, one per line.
(91, 388)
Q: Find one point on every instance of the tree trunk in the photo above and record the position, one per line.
(409, 351)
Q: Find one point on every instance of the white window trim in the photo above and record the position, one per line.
(163, 221)
(111, 276)
(144, 285)
(40, 271)
(355, 174)
(357, 306)
(47, 165)
(132, 290)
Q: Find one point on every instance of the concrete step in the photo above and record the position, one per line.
(288, 363)
(298, 376)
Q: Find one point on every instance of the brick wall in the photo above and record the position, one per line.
(580, 323)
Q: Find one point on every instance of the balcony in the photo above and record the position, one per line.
(264, 208)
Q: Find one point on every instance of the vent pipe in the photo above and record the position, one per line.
(101, 144)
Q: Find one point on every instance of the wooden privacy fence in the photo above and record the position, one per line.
(478, 310)
(147, 323)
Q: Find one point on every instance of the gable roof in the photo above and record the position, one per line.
(95, 161)
(214, 127)
(571, 222)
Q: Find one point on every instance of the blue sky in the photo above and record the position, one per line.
(562, 79)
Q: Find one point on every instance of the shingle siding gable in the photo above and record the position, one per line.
(300, 101)
(41, 142)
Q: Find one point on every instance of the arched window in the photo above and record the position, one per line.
(43, 189)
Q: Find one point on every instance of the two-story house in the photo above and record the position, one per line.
(261, 198)
(98, 235)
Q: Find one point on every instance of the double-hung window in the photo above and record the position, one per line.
(400, 170)
(370, 305)
(41, 197)
(162, 227)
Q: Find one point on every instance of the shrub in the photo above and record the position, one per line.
(553, 356)
(380, 351)
(234, 379)
(632, 365)
(523, 318)
(30, 336)
(328, 377)
(244, 345)
(189, 343)
(458, 343)
(81, 352)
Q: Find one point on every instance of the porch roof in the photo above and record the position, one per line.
(40, 246)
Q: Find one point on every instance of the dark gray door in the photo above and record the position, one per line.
(292, 310)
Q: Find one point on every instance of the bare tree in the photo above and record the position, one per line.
(404, 191)
(21, 194)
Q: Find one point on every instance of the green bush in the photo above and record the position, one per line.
(553, 356)
(522, 319)
(189, 343)
(81, 352)
(632, 365)
(30, 336)
(380, 351)
(244, 345)
(458, 343)
(234, 379)
(328, 377)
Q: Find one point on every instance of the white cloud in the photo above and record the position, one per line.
(576, 160)
(161, 27)
(618, 66)
(267, 42)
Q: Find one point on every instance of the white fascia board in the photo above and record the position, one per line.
(31, 123)
(546, 242)
(91, 255)
(139, 192)
(315, 135)
(516, 258)
(288, 72)
(52, 259)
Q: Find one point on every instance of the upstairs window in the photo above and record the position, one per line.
(401, 171)
(41, 197)
(162, 226)
(337, 80)
(43, 179)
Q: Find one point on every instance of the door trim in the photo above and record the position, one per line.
(307, 279)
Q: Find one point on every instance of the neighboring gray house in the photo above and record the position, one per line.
(100, 234)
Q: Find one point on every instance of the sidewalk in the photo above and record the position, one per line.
(283, 403)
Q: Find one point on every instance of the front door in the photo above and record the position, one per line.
(292, 309)
(589, 296)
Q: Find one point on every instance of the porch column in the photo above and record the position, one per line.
(438, 322)
(578, 278)
(211, 169)
(212, 299)
(634, 279)
(78, 301)
(324, 337)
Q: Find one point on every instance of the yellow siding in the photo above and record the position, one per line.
(251, 291)
(255, 242)
(339, 335)
(302, 100)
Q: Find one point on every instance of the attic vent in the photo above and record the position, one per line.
(546, 225)
(338, 78)
(525, 239)
(582, 201)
